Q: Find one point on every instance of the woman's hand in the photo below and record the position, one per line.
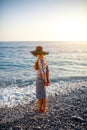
(46, 83)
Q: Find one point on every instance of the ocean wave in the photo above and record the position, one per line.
(67, 65)
(21, 81)
(13, 95)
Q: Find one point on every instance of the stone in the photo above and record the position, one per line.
(77, 118)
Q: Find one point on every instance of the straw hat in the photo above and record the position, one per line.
(39, 51)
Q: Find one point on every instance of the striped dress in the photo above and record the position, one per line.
(40, 87)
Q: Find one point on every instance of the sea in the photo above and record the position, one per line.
(67, 63)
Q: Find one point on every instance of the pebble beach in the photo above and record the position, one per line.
(65, 112)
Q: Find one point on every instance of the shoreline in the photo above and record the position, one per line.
(65, 112)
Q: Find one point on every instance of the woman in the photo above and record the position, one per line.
(42, 79)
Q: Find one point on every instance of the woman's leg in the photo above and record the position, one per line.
(40, 103)
(44, 105)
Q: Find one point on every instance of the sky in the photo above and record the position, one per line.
(43, 20)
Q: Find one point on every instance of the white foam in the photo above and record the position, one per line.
(13, 95)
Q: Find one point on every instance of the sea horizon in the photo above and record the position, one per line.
(44, 41)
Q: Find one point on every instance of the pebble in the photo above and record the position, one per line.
(66, 113)
(77, 118)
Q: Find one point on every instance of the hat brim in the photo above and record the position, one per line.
(35, 53)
